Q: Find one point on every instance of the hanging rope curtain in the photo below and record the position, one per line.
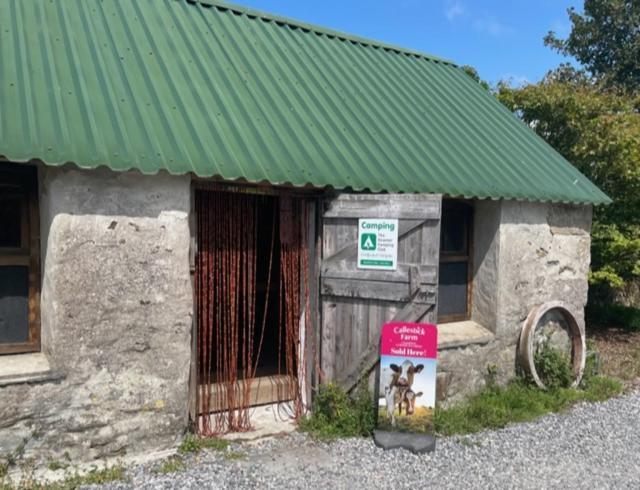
(226, 265)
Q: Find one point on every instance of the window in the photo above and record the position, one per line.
(19, 260)
(454, 287)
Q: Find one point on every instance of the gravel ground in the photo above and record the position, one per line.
(592, 446)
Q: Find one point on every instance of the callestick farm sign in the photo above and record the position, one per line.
(407, 387)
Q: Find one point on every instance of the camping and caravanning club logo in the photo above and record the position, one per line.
(368, 241)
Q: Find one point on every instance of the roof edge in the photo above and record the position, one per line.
(296, 24)
(605, 200)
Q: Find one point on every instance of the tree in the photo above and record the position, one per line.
(473, 73)
(605, 39)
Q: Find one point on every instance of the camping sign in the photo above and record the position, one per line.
(378, 244)
(407, 387)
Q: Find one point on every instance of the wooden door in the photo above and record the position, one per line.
(356, 302)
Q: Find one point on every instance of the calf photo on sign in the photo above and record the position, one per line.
(407, 387)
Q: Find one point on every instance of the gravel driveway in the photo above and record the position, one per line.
(592, 446)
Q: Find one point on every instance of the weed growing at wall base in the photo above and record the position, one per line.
(336, 414)
(194, 444)
(554, 367)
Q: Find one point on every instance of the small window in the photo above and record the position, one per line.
(19, 260)
(454, 287)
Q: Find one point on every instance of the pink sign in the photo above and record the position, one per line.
(410, 340)
(407, 390)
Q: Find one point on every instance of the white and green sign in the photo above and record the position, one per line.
(378, 244)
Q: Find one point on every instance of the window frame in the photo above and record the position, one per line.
(22, 179)
(457, 257)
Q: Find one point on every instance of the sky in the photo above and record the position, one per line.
(502, 39)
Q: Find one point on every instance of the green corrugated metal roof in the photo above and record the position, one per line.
(223, 91)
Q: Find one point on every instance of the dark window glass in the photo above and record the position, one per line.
(14, 306)
(454, 234)
(10, 222)
(455, 246)
(452, 291)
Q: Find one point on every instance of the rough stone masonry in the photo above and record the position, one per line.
(116, 319)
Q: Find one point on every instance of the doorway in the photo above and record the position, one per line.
(251, 282)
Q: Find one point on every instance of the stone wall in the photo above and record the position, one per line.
(116, 319)
(117, 309)
(525, 254)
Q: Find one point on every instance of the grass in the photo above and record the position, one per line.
(93, 477)
(193, 444)
(234, 455)
(174, 464)
(519, 401)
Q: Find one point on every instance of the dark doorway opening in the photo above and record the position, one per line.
(251, 290)
(268, 342)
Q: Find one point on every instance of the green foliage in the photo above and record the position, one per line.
(596, 130)
(617, 253)
(624, 317)
(553, 367)
(491, 377)
(335, 414)
(57, 465)
(605, 39)
(194, 444)
(174, 464)
(520, 401)
(473, 73)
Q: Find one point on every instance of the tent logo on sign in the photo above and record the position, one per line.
(369, 241)
(378, 244)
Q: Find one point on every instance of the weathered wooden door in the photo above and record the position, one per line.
(356, 302)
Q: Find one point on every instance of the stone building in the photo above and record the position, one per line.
(179, 201)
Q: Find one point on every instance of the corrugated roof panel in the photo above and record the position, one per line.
(223, 91)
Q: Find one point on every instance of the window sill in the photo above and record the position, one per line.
(26, 369)
(461, 334)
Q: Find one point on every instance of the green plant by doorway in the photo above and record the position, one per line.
(336, 414)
